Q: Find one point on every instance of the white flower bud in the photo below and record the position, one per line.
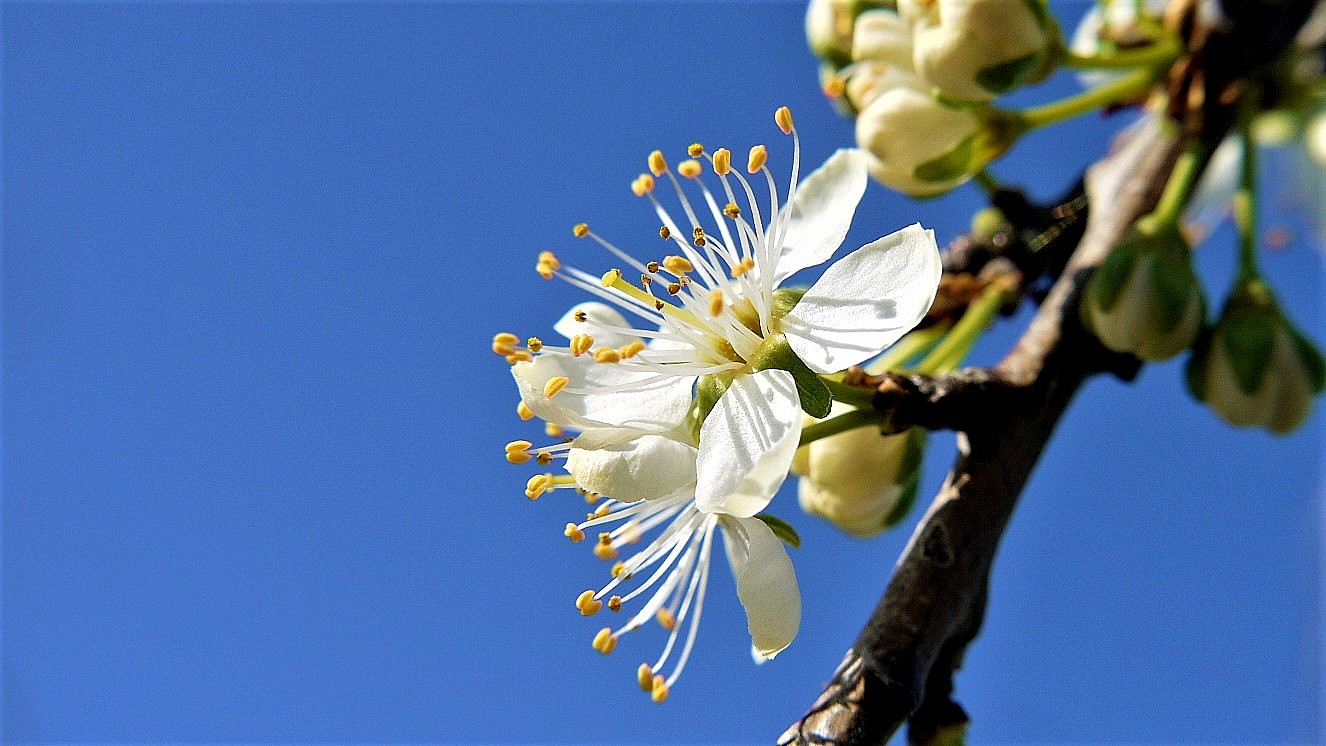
(829, 29)
(859, 480)
(1254, 368)
(920, 146)
(1145, 299)
(974, 50)
(870, 79)
(882, 36)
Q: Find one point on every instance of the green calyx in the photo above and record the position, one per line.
(777, 354)
(782, 529)
(1169, 272)
(997, 132)
(909, 475)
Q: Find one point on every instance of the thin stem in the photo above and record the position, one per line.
(987, 182)
(1158, 54)
(1179, 188)
(1124, 88)
(913, 344)
(949, 353)
(857, 396)
(1245, 207)
(842, 423)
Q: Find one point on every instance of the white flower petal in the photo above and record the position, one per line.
(821, 213)
(865, 301)
(597, 316)
(747, 443)
(628, 466)
(766, 584)
(616, 397)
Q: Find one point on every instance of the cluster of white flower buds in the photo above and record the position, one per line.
(918, 75)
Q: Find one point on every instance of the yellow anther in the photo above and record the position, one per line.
(732, 211)
(580, 230)
(591, 497)
(519, 356)
(580, 344)
(553, 431)
(645, 676)
(643, 184)
(506, 338)
(518, 449)
(618, 569)
(646, 280)
(631, 533)
(658, 165)
(659, 692)
(580, 316)
(587, 604)
(574, 533)
(554, 385)
(651, 267)
(605, 641)
(610, 278)
(503, 349)
(679, 265)
(758, 155)
(664, 233)
(666, 619)
(607, 355)
(524, 412)
(658, 305)
(784, 119)
(615, 603)
(695, 150)
(605, 551)
(599, 512)
(689, 168)
(631, 349)
(715, 302)
(549, 257)
(543, 458)
(534, 344)
(547, 265)
(722, 161)
(674, 288)
(834, 87)
(537, 485)
(743, 267)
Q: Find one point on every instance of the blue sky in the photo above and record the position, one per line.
(253, 485)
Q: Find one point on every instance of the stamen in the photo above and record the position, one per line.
(587, 605)
(605, 641)
(759, 155)
(547, 265)
(574, 533)
(615, 603)
(665, 619)
(630, 349)
(645, 676)
(664, 233)
(503, 349)
(537, 485)
(715, 302)
(519, 356)
(524, 412)
(745, 266)
(553, 430)
(643, 184)
(506, 338)
(784, 119)
(607, 355)
(618, 570)
(580, 316)
(679, 265)
(581, 229)
(580, 344)
(658, 165)
(517, 451)
(695, 150)
(674, 288)
(534, 344)
(731, 210)
(659, 692)
(722, 161)
(690, 168)
(554, 385)
(834, 86)
(604, 550)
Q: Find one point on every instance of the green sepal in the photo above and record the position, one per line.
(1308, 354)
(1005, 76)
(953, 165)
(785, 299)
(910, 469)
(997, 132)
(1173, 281)
(1108, 281)
(782, 529)
(950, 735)
(1194, 374)
(777, 354)
(708, 390)
(1249, 341)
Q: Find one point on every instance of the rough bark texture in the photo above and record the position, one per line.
(901, 667)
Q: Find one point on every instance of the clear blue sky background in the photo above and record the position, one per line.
(253, 486)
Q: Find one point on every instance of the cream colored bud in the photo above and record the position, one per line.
(906, 130)
(974, 50)
(882, 36)
(859, 480)
(829, 29)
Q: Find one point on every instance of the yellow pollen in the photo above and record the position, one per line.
(607, 355)
(580, 344)
(679, 265)
(615, 603)
(574, 533)
(534, 344)
(657, 164)
(599, 512)
(643, 184)
(552, 430)
(784, 119)
(503, 349)
(674, 288)
(580, 316)
(605, 552)
(695, 150)
(631, 349)
(524, 412)
(554, 385)
(506, 338)
(605, 641)
(743, 267)
(587, 604)
(544, 458)
(645, 676)
(618, 569)
(732, 211)
(547, 265)
(590, 497)
(722, 161)
(652, 267)
(834, 86)
(715, 302)
(518, 448)
(537, 485)
(666, 619)
(689, 168)
(664, 233)
(580, 230)
(659, 692)
(519, 356)
(758, 155)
